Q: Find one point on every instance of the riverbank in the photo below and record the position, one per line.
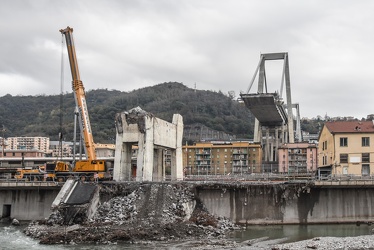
(135, 213)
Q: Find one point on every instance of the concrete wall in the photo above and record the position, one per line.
(290, 204)
(28, 204)
(252, 204)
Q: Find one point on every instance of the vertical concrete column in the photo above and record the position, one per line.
(177, 168)
(148, 149)
(118, 172)
(257, 132)
(122, 172)
(267, 146)
(157, 168)
(140, 158)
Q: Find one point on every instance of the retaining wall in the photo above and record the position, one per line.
(242, 203)
(27, 203)
(289, 204)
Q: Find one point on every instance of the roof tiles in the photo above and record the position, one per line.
(350, 126)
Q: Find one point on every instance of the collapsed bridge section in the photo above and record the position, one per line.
(267, 108)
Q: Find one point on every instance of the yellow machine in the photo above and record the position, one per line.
(91, 166)
(30, 174)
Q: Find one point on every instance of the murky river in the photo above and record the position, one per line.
(11, 237)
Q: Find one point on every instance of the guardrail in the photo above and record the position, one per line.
(17, 183)
(254, 177)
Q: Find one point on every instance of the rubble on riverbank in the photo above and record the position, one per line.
(136, 212)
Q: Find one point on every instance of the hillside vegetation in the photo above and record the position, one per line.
(42, 115)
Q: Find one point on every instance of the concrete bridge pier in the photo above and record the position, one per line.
(152, 136)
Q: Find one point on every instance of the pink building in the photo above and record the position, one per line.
(297, 157)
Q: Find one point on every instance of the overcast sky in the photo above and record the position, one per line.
(215, 44)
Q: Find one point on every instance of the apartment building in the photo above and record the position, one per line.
(60, 149)
(210, 158)
(297, 158)
(28, 143)
(344, 148)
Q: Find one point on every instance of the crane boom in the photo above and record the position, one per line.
(80, 96)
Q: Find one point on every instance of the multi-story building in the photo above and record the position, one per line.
(210, 158)
(344, 148)
(60, 149)
(28, 143)
(297, 158)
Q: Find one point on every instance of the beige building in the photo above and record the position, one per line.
(344, 148)
(56, 151)
(297, 158)
(210, 158)
(28, 143)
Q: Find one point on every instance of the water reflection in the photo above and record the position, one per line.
(302, 232)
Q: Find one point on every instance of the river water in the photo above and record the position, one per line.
(12, 237)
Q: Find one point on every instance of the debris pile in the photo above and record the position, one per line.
(137, 213)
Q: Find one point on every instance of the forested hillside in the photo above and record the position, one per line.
(42, 116)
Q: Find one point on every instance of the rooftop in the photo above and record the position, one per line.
(350, 126)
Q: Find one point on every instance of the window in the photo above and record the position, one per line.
(343, 142)
(324, 160)
(365, 169)
(343, 158)
(323, 145)
(365, 141)
(365, 157)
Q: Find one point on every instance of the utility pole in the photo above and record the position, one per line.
(3, 143)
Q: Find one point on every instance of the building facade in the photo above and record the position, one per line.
(28, 143)
(61, 149)
(297, 158)
(213, 158)
(345, 148)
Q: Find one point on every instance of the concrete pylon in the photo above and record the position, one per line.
(152, 136)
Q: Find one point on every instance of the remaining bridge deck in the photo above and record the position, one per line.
(267, 108)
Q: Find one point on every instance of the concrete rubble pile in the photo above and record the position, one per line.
(137, 213)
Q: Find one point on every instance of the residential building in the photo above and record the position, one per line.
(344, 148)
(298, 157)
(60, 149)
(28, 143)
(222, 157)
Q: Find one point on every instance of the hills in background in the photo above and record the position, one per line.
(48, 115)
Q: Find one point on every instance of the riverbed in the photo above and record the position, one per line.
(12, 237)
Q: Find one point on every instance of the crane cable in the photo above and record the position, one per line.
(60, 135)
